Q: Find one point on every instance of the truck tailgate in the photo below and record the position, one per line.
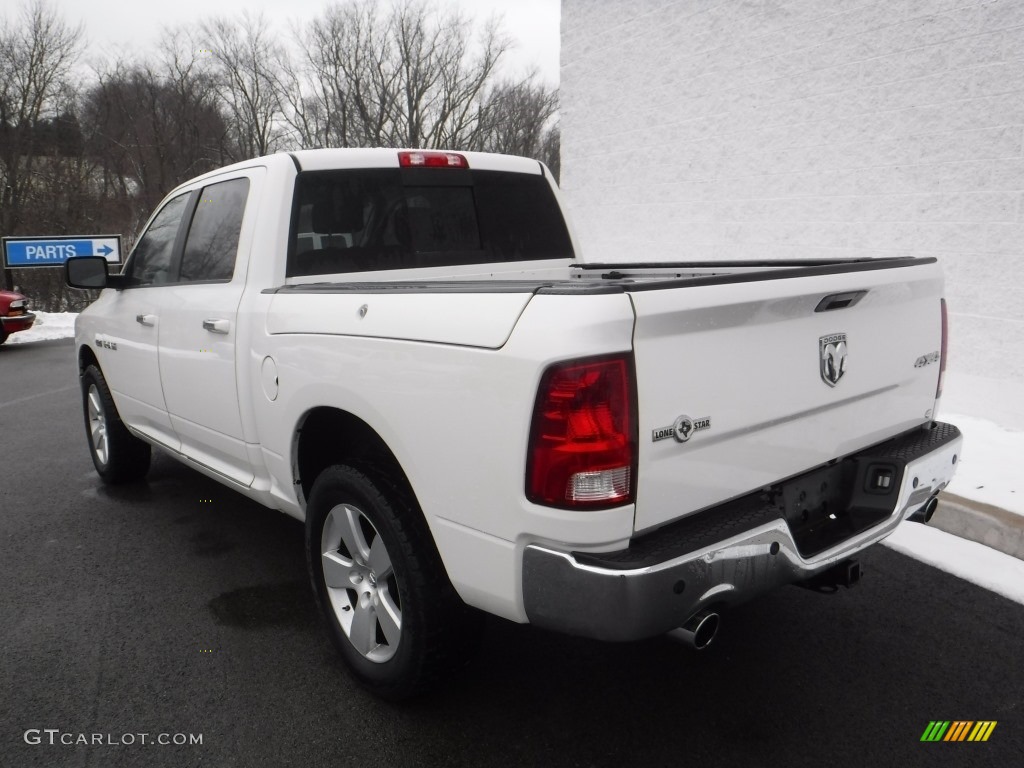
(733, 392)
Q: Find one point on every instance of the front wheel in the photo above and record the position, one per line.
(390, 608)
(119, 456)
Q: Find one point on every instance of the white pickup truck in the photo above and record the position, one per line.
(402, 350)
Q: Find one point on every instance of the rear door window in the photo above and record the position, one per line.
(212, 243)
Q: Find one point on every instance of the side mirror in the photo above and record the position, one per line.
(89, 272)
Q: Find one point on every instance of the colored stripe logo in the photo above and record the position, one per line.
(958, 730)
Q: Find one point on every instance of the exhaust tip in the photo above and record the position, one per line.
(699, 632)
(925, 511)
(930, 507)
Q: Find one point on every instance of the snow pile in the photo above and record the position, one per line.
(990, 469)
(976, 563)
(48, 325)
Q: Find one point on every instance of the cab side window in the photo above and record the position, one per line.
(151, 260)
(212, 243)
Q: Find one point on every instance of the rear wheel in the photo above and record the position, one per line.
(390, 609)
(119, 456)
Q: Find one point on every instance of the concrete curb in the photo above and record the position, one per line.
(983, 523)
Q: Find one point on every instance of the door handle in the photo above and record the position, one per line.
(146, 319)
(217, 326)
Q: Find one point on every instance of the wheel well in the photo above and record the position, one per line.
(86, 357)
(328, 436)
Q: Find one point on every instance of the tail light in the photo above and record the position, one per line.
(430, 159)
(582, 452)
(942, 350)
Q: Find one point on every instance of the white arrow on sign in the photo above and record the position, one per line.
(108, 248)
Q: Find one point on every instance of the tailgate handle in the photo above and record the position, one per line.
(839, 301)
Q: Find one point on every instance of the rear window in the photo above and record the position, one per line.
(370, 219)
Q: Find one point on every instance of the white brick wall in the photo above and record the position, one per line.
(697, 129)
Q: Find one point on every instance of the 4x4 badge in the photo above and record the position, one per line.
(832, 353)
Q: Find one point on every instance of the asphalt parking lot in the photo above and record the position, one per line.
(178, 607)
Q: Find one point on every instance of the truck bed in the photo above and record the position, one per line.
(732, 348)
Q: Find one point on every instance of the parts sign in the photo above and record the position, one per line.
(22, 252)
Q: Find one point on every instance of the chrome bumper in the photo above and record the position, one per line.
(16, 319)
(578, 594)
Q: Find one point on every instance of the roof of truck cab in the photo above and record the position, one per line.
(341, 159)
(330, 159)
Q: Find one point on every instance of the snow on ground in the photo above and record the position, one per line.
(976, 563)
(48, 325)
(990, 469)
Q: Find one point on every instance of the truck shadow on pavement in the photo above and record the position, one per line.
(267, 605)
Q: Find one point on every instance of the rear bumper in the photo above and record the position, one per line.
(735, 551)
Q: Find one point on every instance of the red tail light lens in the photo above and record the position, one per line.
(582, 452)
(942, 350)
(432, 160)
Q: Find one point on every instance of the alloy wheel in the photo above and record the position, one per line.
(361, 583)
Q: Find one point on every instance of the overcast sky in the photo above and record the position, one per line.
(113, 26)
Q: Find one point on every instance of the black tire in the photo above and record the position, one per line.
(119, 456)
(435, 631)
(3, 336)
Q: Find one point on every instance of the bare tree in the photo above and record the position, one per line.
(516, 118)
(311, 123)
(153, 129)
(410, 76)
(323, 91)
(249, 66)
(37, 53)
(115, 149)
(551, 150)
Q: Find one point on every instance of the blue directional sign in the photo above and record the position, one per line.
(22, 252)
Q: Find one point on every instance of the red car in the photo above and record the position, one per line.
(14, 314)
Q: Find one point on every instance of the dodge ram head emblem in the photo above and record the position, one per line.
(832, 353)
